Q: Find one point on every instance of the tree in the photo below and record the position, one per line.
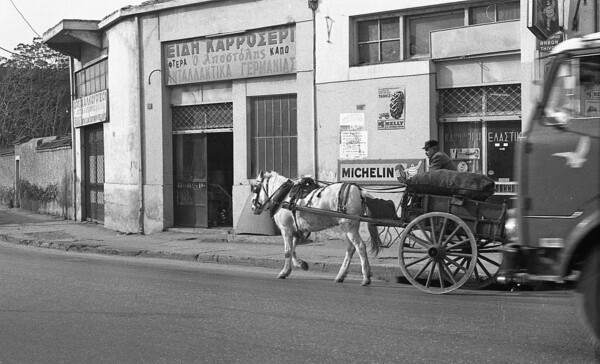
(34, 93)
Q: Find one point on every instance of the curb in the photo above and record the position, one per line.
(388, 274)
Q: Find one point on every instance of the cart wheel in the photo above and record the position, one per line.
(437, 252)
(489, 259)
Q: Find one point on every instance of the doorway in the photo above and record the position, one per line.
(94, 172)
(203, 179)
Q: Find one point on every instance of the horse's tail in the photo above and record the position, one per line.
(376, 243)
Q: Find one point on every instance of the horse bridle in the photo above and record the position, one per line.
(257, 189)
(261, 187)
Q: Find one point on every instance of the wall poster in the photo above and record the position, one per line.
(353, 137)
(391, 107)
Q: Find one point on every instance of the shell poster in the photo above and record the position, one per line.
(391, 108)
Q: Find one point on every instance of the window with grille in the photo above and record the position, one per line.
(273, 135)
(203, 117)
(379, 40)
(480, 101)
(92, 79)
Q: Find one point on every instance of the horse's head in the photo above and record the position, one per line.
(259, 190)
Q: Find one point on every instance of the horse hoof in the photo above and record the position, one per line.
(339, 280)
(304, 266)
(365, 283)
(281, 276)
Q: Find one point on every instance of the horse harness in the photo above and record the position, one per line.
(300, 190)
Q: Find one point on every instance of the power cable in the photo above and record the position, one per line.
(22, 16)
(15, 54)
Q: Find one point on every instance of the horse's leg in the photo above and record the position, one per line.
(299, 263)
(360, 246)
(350, 249)
(287, 246)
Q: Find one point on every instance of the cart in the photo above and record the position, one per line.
(445, 242)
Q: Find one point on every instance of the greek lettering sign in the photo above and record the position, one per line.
(91, 109)
(551, 42)
(255, 53)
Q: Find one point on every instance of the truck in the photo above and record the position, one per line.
(554, 229)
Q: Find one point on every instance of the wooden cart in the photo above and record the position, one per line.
(445, 242)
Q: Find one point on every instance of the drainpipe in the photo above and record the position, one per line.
(141, 122)
(73, 144)
(314, 5)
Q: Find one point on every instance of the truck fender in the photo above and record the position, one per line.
(577, 242)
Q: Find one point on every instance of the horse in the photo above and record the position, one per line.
(271, 190)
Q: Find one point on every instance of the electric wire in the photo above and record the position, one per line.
(22, 16)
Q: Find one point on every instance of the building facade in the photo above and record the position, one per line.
(178, 104)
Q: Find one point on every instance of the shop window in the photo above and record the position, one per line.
(480, 101)
(419, 28)
(92, 79)
(379, 40)
(273, 135)
(203, 117)
(494, 12)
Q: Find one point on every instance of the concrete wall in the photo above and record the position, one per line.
(7, 178)
(46, 179)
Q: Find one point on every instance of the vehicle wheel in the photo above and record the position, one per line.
(489, 259)
(588, 295)
(437, 253)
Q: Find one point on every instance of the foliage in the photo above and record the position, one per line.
(34, 192)
(34, 93)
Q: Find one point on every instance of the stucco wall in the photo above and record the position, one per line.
(46, 179)
(7, 178)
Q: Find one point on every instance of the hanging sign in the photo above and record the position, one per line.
(256, 53)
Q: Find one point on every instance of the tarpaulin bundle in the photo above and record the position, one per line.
(444, 182)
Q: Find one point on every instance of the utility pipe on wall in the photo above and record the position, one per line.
(141, 122)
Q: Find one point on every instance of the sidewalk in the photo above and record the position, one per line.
(322, 253)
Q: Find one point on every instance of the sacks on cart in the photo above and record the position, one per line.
(444, 182)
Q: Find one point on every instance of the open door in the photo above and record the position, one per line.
(190, 182)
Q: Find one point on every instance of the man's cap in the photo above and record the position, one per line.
(431, 143)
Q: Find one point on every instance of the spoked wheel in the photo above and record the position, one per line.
(437, 252)
(489, 259)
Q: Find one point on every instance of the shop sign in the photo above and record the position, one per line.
(376, 171)
(542, 18)
(391, 107)
(255, 53)
(548, 44)
(91, 109)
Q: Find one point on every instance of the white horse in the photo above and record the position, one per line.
(271, 190)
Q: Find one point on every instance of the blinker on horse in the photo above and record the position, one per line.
(274, 192)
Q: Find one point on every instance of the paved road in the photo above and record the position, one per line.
(83, 308)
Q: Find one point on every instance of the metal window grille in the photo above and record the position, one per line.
(203, 117)
(480, 101)
(274, 135)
